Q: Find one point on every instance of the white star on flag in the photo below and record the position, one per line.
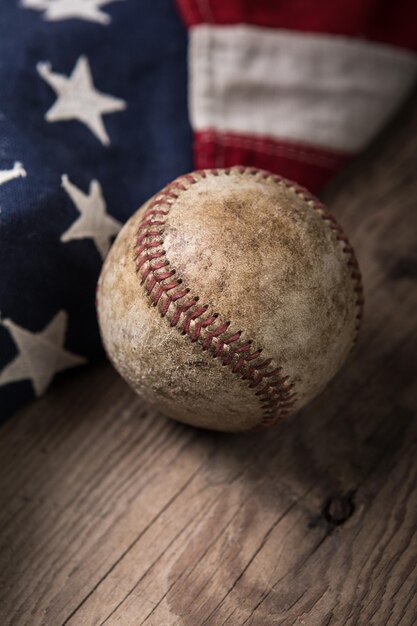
(55, 10)
(94, 220)
(41, 354)
(78, 99)
(17, 171)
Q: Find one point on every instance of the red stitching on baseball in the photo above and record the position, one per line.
(167, 292)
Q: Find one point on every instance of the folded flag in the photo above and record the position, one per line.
(296, 87)
(102, 102)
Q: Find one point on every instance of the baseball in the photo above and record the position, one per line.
(230, 299)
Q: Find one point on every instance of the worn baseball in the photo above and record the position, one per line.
(230, 299)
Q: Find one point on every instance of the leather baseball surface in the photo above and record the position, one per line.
(230, 299)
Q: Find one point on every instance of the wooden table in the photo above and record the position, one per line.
(111, 514)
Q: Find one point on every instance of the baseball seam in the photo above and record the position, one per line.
(167, 291)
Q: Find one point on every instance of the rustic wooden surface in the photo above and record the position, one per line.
(111, 514)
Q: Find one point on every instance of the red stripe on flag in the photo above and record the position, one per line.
(393, 23)
(310, 166)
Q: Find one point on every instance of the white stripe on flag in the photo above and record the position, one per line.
(320, 89)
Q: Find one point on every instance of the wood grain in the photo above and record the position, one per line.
(111, 514)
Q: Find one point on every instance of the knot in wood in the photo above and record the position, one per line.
(339, 508)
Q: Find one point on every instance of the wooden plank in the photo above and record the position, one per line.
(111, 514)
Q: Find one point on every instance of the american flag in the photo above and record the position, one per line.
(102, 102)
